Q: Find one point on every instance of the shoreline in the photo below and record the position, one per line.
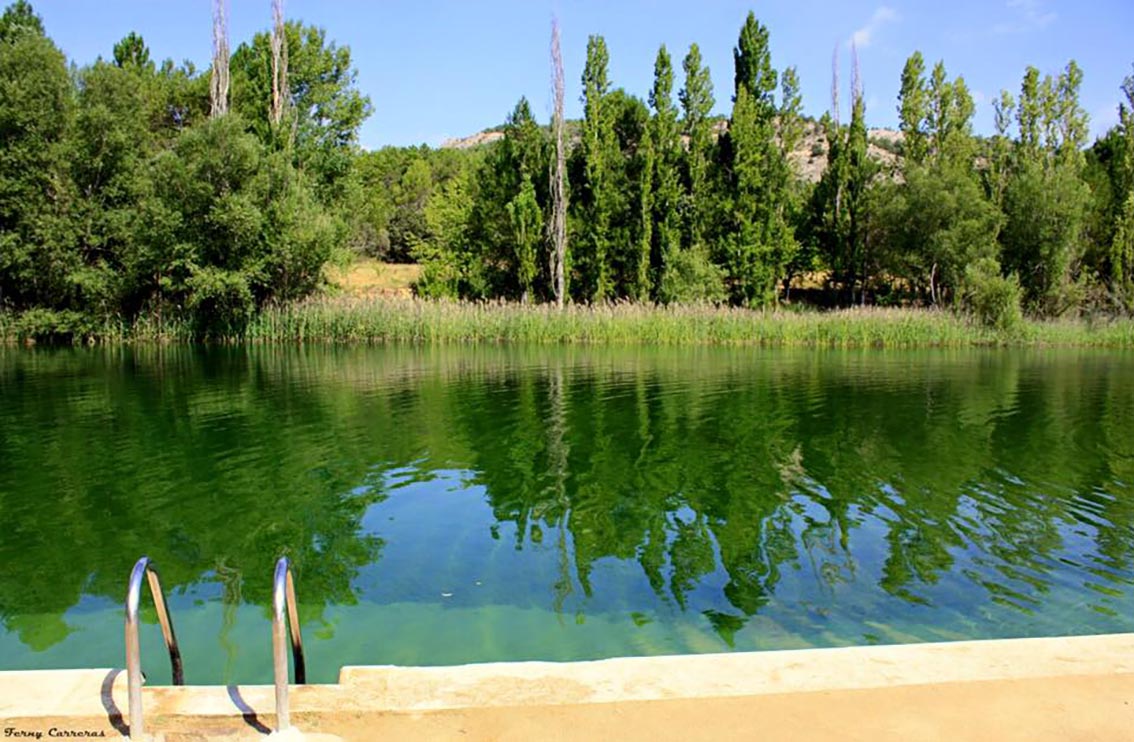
(1010, 689)
(385, 320)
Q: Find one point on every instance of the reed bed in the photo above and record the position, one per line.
(358, 320)
(382, 320)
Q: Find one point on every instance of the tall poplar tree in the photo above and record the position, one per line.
(938, 221)
(913, 109)
(598, 150)
(759, 242)
(1046, 200)
(696, 106)
(665, 138)
(1121, 256)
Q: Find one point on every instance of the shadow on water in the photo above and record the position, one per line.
(813, 498)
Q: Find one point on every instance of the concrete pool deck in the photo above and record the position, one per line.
(1077, 688)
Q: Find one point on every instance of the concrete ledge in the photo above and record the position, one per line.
(1026, 689)
(740, 674)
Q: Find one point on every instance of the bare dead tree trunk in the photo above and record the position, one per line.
(218, 88)
(837, 129)
(557, 225)
(835, 85)
(280, 92)
(856, 227)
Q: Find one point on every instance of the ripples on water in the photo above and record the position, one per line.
(450, 506)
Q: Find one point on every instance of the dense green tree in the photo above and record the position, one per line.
(132, 51)
(1001, 155)
(696, 126)
(450, 266)
(665, 137)
(38, 265)
(938, 220)
(630, 197)
(229, 226)
(408, 227)
(326, 108)
(527, 230)
(913, 109)
(753, 63)
(20, 18)
(594, 281)
(839, 206)
(1121, 258)
(112, 145)
(512, 166)
(757, 243)
(791, 128)
(1046, 201)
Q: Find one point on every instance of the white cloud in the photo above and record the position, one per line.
(1028, 15)
(863, 37)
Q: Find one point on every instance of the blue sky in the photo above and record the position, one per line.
(443, 68)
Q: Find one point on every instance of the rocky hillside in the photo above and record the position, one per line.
(809, 158)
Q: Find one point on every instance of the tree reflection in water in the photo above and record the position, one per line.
(830, 492)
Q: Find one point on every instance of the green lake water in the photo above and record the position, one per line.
(446, 506)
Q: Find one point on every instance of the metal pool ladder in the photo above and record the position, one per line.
(145, 568)
(283, 597)
(283, 600)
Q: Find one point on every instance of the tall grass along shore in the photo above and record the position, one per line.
(399, 320)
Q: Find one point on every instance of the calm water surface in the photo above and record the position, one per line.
(451, 506)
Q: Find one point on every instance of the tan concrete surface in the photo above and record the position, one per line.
(1037, 689)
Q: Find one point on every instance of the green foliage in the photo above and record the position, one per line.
(19, 19)
(37, 266)
(757, 242)
(696, 106)
(753, 65)
(836, 226)
(596, 193)
(691, 277)
(527, 229)
(236, 223)
(514, 164)
(325, 108)
(450, 267)
(913, 109)
(666, 196)
(990, 297)
(935, 224)
(132, 51)
(1045, 208)
(121, 202)
(1120, 179)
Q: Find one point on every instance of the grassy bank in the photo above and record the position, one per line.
(381, 320)
(355, 320)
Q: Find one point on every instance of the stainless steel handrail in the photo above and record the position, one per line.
(144, 567)
(283, 596)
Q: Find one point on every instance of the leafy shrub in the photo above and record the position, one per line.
(53, 326)
(991, 297)
(690, 276)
